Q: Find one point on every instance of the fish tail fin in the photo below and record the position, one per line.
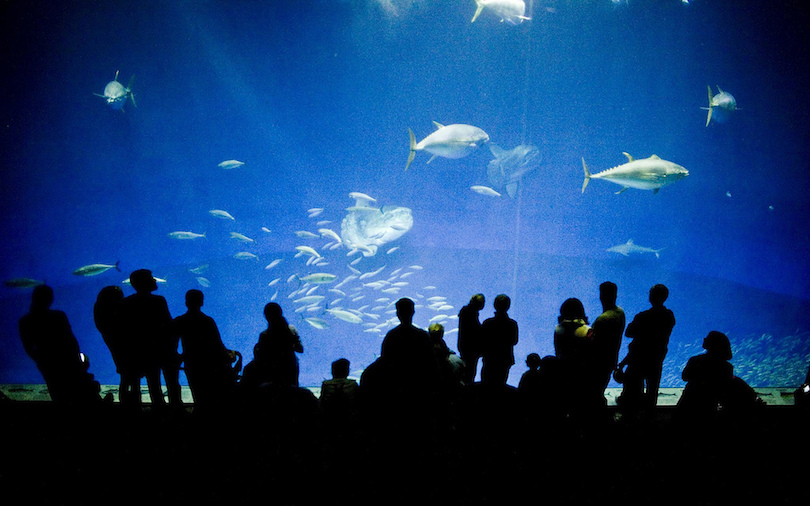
(709, 116)
(477, 10)
(587, 175)
(412, 152)
(116, 266)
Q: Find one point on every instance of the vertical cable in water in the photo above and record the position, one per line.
(525, 125)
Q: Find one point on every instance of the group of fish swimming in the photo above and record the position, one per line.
(325, 286)
(364, 229)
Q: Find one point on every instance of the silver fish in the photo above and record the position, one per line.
(451, 141)
(230, 164)
(95, 269)
(116, 95)
(651, 173)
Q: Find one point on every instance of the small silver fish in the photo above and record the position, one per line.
(230, 164)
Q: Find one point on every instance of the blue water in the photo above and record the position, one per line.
(316, 98)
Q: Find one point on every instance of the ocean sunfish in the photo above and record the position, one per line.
(509, 166)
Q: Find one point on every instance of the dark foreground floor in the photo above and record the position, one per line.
(484, 452)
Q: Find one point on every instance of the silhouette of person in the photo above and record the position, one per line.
(529, 384)
(408, 354)
(707, 377)
(48, 339)
(148, 325)
(107, 314)
(277, 347)
(499, 337)
(339, 394)
(207, 361)
(649, 331)
(573, 340)
(451, 372)
(607, 336)
(469, 336)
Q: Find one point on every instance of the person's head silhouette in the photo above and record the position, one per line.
(405, 310)
(143, 281)
(658, 295)
(41, 298)
(194, 299)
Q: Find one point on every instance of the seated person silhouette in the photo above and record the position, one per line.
(338, 395)
(48, 339)
(708, 376)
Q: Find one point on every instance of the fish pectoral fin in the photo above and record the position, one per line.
(624, 189)
(438, 125)
(412, 152)
(629, 158)
(477, 11)
(709, 116)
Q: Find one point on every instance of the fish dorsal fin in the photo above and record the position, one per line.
(630, 242)
(655, 157)
(438, 125)
(629, 158)
(497, 151)
(718, 89)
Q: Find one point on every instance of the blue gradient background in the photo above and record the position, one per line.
(316, 98)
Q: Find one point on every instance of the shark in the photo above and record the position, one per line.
(451, 141)
(510, 11)
(116, 95)
(651, 173)
(720, 106)
(630, 247)
(509, 165)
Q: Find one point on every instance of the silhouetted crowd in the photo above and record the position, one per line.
(421, 428)
(415, 369)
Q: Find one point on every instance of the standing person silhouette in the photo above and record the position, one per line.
(469, 336)
(207, 361)
(650, 331)
(407, 353)
(607, 337)
(107, 314)
(148, 325)
(500, 335)
(277, 347)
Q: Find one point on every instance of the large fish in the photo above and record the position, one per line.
(630, 247)
(510, 11)
(651, 173)
(116, 95)
(451, 141)
(720, 106)
(23, 283)
(95, 269)
(367, 230)
(509, 166)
